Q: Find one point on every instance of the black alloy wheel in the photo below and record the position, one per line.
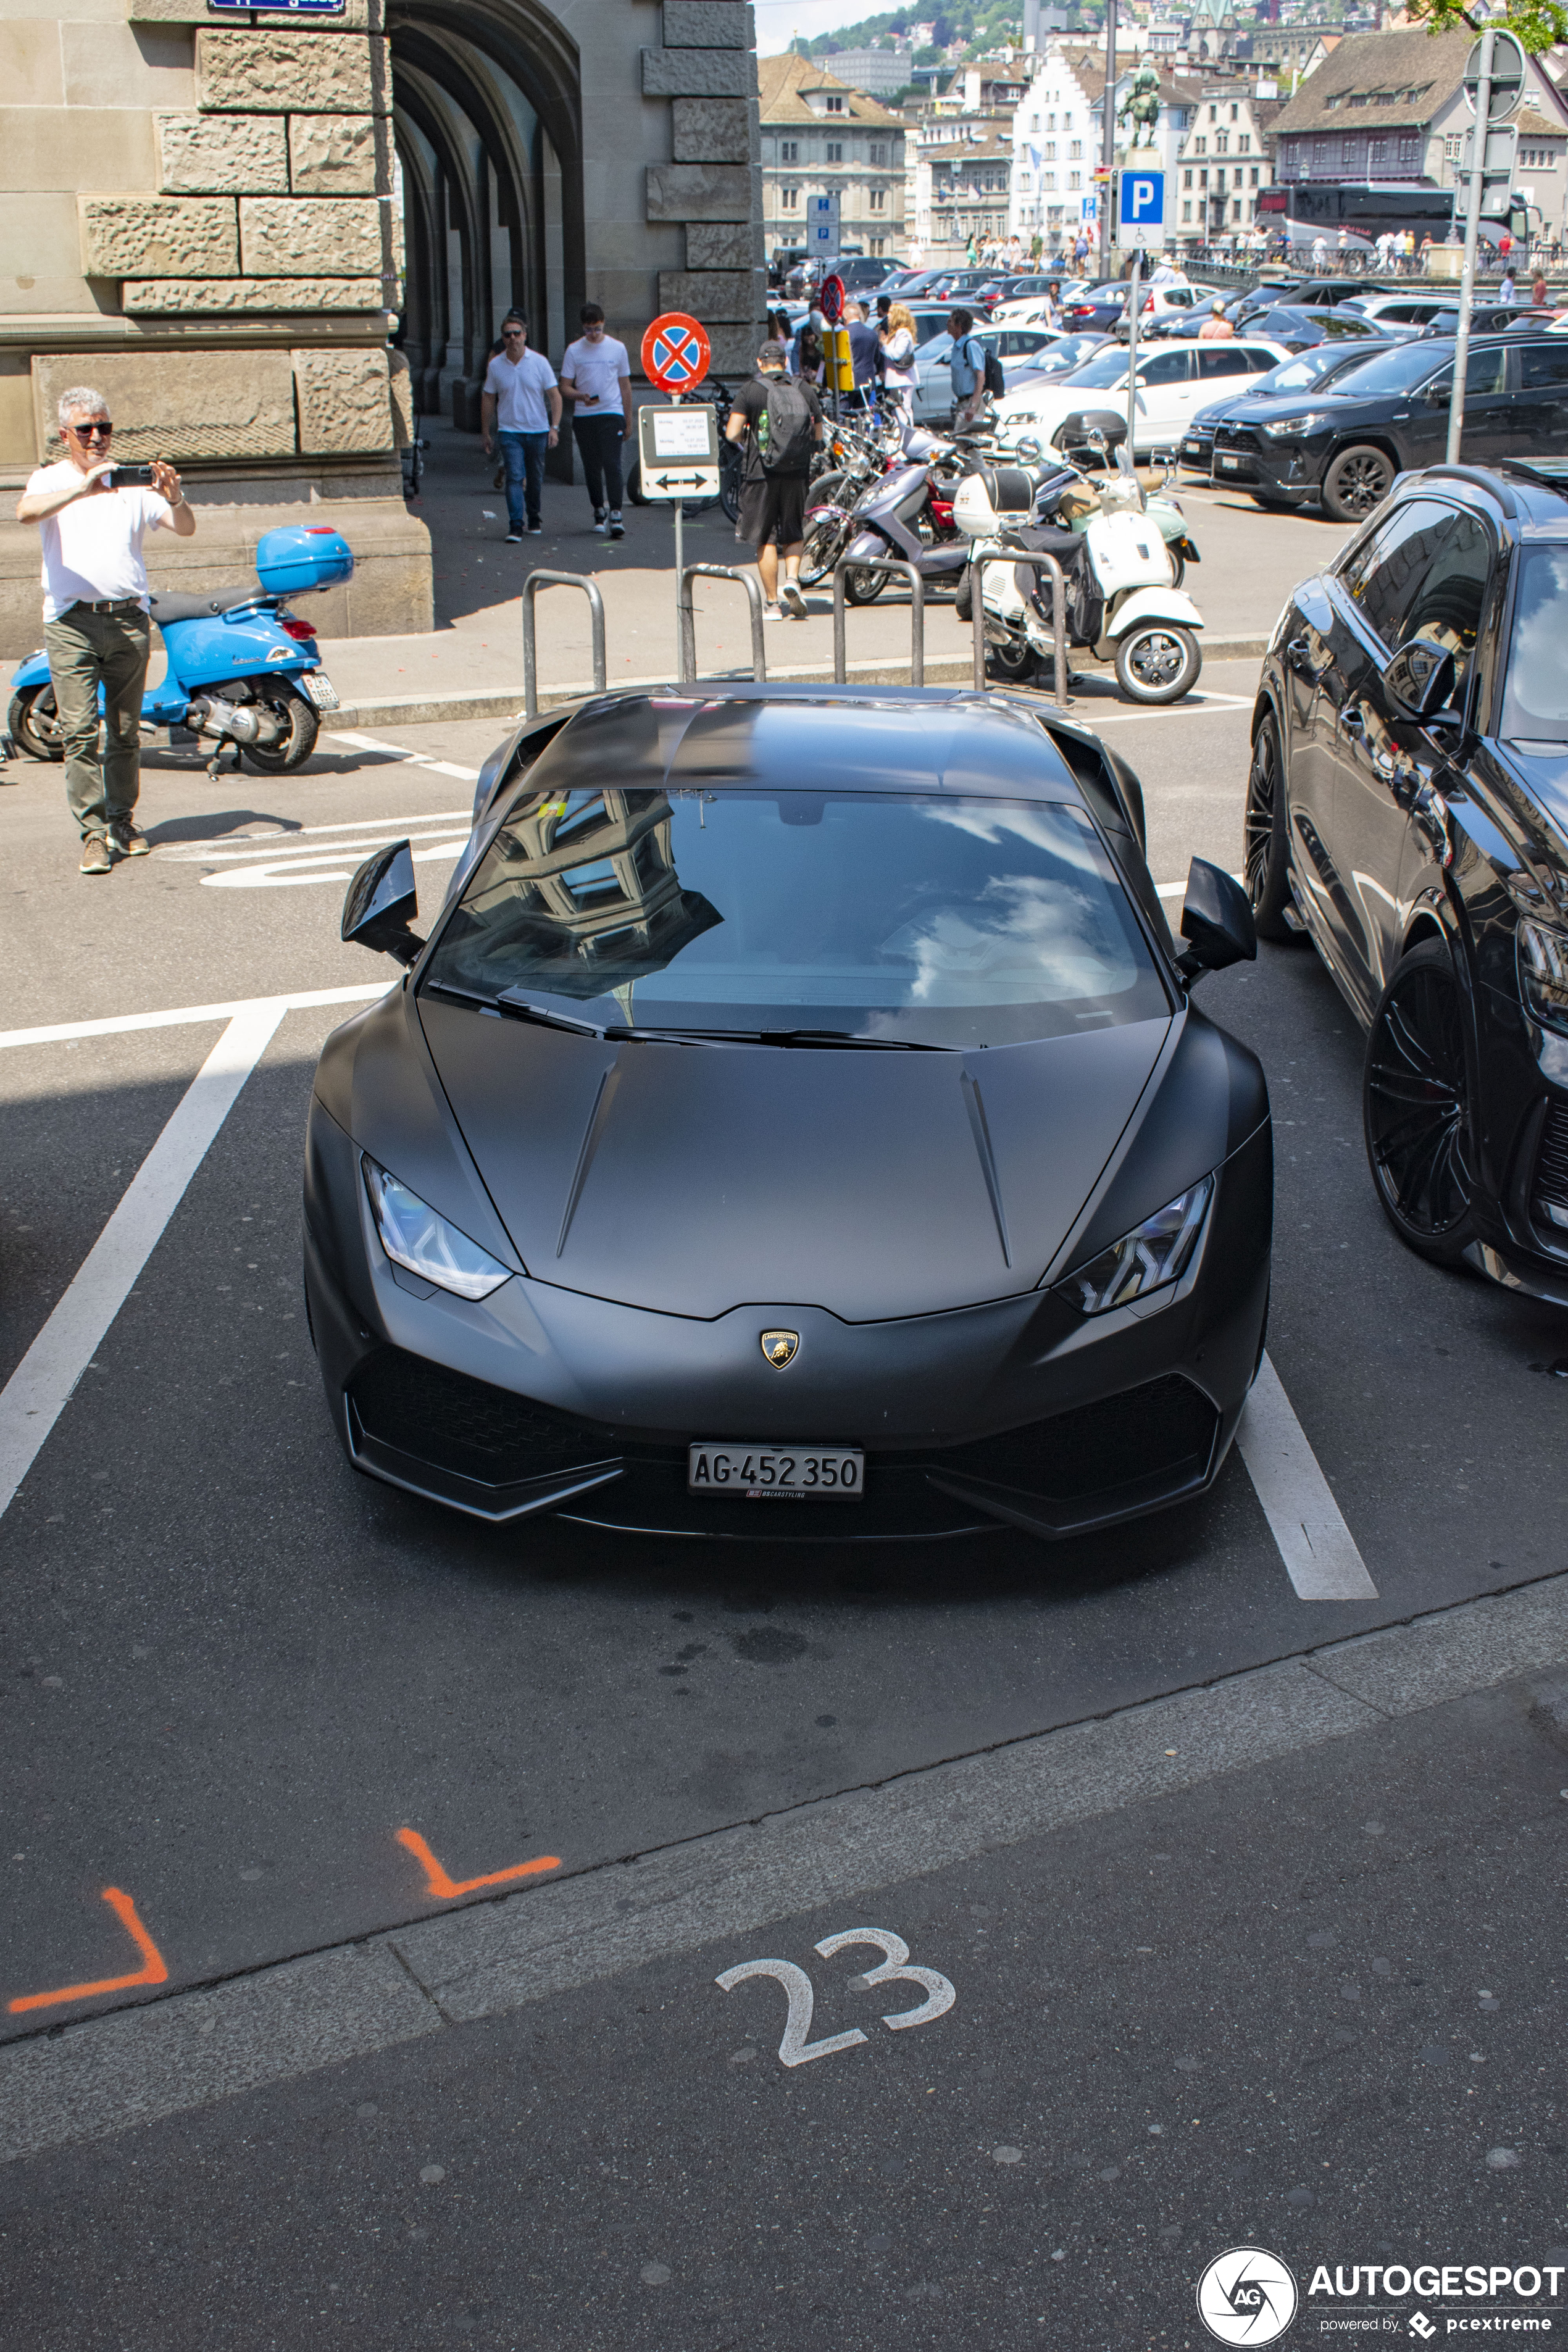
(1415, 1106)
(1359, 480)
(1266, 840)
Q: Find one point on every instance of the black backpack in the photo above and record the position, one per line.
(996, 380)
(792, 429)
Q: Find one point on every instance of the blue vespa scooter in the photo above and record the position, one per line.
(242, 670)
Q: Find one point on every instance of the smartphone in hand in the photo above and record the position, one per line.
(129, 478)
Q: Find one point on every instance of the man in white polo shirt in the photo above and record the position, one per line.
(95, 616)
(595, 376)
(520, 392)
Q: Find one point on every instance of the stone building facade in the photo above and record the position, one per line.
(821, 137)
(270, 235)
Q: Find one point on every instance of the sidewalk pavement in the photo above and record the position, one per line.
(470, 665)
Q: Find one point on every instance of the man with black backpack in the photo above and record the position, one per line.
(975, 371)
(780, 419)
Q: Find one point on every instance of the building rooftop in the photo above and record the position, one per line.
(784, 83)
(1399, 79)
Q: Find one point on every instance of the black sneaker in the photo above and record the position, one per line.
(128, 840)
(95, 857)
(617, 528)
(514, 539)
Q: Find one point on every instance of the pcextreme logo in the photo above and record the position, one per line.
(1247, 2296)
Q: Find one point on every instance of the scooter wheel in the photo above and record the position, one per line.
(35, 723)
(299, 717)
(1157, 661)
(1178, 566)
(863, 587)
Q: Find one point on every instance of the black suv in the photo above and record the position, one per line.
(1407, 807)
(1346, 446)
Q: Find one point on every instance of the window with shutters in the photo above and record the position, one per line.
(789, 150)
(879, 200)
(835, 150)
(789, 200)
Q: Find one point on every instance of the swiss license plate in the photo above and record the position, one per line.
(1192, 448)
(320, 688)
(775, 1474)
(1230, 461)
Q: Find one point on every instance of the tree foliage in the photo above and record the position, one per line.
(1539, 24)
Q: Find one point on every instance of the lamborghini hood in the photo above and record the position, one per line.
(692, 1179)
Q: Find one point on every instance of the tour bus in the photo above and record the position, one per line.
(1365, 209)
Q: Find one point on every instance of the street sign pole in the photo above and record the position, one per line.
(1133, 290)
(1108, 142)
(1472, 239)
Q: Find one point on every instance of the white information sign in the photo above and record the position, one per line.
(678, 450)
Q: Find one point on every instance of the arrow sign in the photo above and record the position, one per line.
(674, 352)
(692, 481)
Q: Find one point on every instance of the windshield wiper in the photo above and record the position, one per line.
(834, 1038)
(519, 1008)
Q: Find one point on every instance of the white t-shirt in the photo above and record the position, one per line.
(517, 388)
(92, 548)
(596, 370)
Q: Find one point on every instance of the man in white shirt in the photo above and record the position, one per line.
(95, 616)
(520, 395)
(595, 376)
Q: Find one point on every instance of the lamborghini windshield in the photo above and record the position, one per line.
(869, 916)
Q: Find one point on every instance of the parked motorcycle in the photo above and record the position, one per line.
(905, 515)
(1121, 600)
(241, 668)
(851, 461)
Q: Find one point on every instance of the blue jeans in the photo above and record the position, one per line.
(523, 457)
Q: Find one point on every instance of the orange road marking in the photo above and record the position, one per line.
(445, 1887)
(154, 1972)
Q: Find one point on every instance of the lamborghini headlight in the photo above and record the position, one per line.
(413, 1236)
(1154, 1254)
(1544, 973)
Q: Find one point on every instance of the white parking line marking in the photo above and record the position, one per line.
(266, 875)
(413, 759)
(272, 853)
(44, 1381)
(181, 1015)
(244, 844)
(1317, 1547)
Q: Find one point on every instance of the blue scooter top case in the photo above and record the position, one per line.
(302, 556)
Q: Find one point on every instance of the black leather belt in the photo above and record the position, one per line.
(107, 604)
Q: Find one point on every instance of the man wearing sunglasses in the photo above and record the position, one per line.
(520, 391)
(95, 616)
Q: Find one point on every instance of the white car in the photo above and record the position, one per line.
(1174, 380)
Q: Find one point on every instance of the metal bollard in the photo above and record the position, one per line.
(917, 614)
(687, 619)
(531, 588)
(1047, 563)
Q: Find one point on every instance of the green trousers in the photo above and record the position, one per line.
(87, 650)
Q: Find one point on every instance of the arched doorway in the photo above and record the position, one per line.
(487, 124)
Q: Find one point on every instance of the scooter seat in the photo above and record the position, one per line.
(168, 606)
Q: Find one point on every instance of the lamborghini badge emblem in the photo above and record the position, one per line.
(780, 1348)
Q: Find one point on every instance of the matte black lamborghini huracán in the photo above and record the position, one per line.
(1407, 804)
(794, 1126)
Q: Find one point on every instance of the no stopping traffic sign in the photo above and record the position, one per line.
(674, 352)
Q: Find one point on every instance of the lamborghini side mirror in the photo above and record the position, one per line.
(380, 902)
(1217, 918)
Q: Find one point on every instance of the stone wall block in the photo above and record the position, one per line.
(711, 131)
(237, 155)
(235, 297)
(698, 73)
(401, 388)
(176, 405)
(345, 402)
(729, 295)
(736, 247)
(699, 192)
(311, 236)
(332, 154)
(734, 349)
(707, 24)
(158, 236)
(267, 72)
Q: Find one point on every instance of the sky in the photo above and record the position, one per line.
(778, 21)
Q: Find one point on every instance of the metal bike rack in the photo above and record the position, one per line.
(531, 588)
(1047, 563)
(894, 564)
(686, 619)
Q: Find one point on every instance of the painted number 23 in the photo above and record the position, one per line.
(795, 2049)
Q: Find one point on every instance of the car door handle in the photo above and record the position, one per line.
(1298, 654)
(1354, 720)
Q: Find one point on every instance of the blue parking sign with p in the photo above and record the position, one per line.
(1143, 199)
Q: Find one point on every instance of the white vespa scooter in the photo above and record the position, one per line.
(1122, 601)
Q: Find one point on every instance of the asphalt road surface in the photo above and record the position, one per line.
(236, 1672)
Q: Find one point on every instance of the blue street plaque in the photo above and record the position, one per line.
(285, 7)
